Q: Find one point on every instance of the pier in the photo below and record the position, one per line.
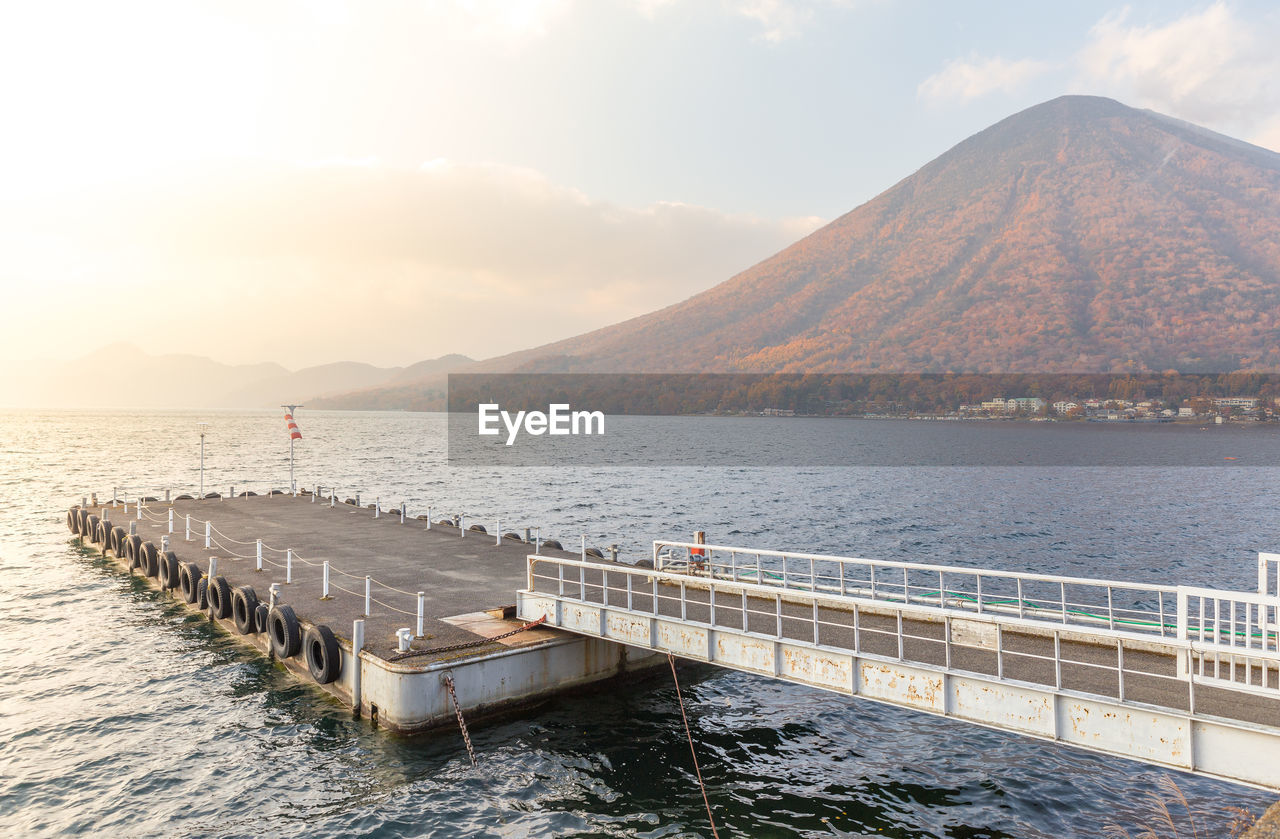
(430, 621)
(411, 604)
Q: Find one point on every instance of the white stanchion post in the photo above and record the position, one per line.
(377, 507)
(402, 510)
(325, 596)
(368, 596)
(584, 547)
(188, 527)
(213, 567)
(331, 498)
(357, 499)
(422, 607)
(428, 518)
(288, 566)
(497, 532)
(462, 528)
(232, 493)
(84, 502)
(170, 519)
(114, 492)
(208, 534)
(138, 509)
(259, 554)
(133, 528)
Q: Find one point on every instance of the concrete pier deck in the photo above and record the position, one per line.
(467, 579)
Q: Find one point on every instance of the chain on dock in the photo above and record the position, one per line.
(462, 724)
(466, 645)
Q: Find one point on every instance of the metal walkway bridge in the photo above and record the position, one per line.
(1183, 677)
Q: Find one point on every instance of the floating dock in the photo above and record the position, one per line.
(428, 605)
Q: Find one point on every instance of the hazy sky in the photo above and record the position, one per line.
(307, 182)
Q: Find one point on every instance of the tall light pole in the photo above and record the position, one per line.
(202, 426)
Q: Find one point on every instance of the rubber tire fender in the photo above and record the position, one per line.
(189, 576)
(149, 559)
(244, 610)
(219, 597)
(117, 540)
(284, 632)
(553, 544)
(477, 528)
(260, 619)
(82, 516)
(71, 519)
(202, 594)
(596, 552)
(324, 658)
(132, 550)
(168, 570)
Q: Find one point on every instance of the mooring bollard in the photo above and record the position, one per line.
(259, 554)
(368, 596)
(288, 566)
(422, 608)
(357, 644)
(274, 595)
(325, 595)
(164, 544)
(208, 534)
(188, 527)
(403, 637)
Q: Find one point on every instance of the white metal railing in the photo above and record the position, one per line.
(1234, 636)
(844, 622)
(1269, 574)
(1068, 601)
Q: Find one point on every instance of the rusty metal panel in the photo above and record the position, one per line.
(1134, 732)
(903, 685)
(530, 607)
(627, 628)
(580, 617)
(745, 652)
(682, 639)
(816, 667)
(1008, 706)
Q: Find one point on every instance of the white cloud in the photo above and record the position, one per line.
(779, 19)
(388, 265)
(962, 80)
(1211, 66)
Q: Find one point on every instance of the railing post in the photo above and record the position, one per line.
(288, 566)
(462, 527)
(325, 595)
(208, 534)
(115, 491)
(402, 512)
(259, 554)
(497, 532)
(333, 499)
(428, 518)
(170, 519)
(583, 554)
(368, 596)
(188, 527)
(377, 506)
(422, 606)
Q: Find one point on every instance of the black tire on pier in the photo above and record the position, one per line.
(248, 493)
(82, 517)
(71, 519)
(202, 594)
(350, 502)
(149, 559)
(260, 617)
(132, 546)
(596, 552)
(209, 495)
(244, 610)
(219, 594)
(645, 563)
(516, 537)
(100, 531)
(324, 659)
(169, 570)
(185, 497)
(477, 528)
(116, 537)
(553, 544)
(284, 631)
(189, 576)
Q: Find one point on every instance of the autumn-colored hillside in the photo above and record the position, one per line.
(1079, 235)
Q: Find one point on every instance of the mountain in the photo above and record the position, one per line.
(1079, 235)
(142, 380)
(418, 387)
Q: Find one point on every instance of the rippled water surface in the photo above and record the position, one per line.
(120, 715)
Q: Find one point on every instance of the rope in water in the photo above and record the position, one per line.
(680, 701)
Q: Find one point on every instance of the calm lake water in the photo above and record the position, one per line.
(122, 716)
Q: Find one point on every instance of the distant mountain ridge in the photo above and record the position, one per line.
(177, 380)
(1079, 235)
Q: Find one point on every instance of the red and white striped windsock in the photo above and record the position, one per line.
(294, 433)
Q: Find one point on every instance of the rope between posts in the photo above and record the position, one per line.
(680, 700)
(466, 645)
(392, 608)
(347, 590)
